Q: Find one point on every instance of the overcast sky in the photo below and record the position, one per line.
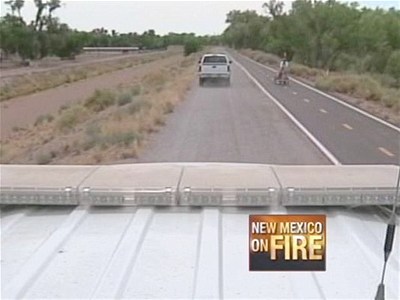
(200, 17)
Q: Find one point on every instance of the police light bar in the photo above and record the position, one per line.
(41, 196)
(337, 185)
(218, 184)
(127, 197)
(228, 197)
(338, 196)
(138, 184)
(198, 184)
(41, 185)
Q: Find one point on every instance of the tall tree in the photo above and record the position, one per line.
(274, 8)
(53, 5)
(16, 6)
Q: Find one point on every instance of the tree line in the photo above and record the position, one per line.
(324, 34)
(47, 36)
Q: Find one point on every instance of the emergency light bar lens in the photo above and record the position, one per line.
(338, 196)
(229, 197)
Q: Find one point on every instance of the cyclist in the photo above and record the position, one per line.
(283, 67)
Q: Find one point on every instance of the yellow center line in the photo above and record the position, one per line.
(386, 151)
(323, 111)
(347, 126)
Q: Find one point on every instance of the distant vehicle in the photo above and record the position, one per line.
(214, 66)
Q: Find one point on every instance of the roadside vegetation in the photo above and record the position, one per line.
(340, 47)
(111, 125)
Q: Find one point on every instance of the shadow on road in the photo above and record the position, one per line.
(215, 83)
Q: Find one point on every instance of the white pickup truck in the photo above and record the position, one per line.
(214, 66)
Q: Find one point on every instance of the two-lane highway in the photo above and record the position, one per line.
(257, 121)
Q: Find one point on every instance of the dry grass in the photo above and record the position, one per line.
(305, 72)
(70, 117)
(361, 86)
(28, 84)
(391, 99)
(110, 126)
(44, 118)
(100, 100)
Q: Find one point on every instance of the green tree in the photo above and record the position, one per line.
(324, 34)
(191, 45)
(17, 38)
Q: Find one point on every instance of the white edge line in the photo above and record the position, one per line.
(317, 143)
(330, 97)
(386, 151)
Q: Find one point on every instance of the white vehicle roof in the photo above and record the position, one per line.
(178, 251)
(215, 54)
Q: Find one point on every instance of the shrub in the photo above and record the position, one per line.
(362, 86)
(168, 107)
(304, 71)
(391, 99)
(159, 120)
(191, 46)
(71, 117)
(16, 129)
(369, 89)
(93, 136)
(100, 100)
(62, 108)
(386, 80)
(154, 80)
(124, 98)
(393, 65)
(43, 118)
(122, 138)
(137, 105)
(136, 90)
(44, 158)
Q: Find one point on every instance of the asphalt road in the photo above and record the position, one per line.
(230, 124)
(242, 123)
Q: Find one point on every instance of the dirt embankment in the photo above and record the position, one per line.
(111, 123)
(21, 112)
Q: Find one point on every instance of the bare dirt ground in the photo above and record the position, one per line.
(23, 111)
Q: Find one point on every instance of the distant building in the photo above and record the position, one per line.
(110, 49)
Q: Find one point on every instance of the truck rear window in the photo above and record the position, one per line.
(214, 60)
